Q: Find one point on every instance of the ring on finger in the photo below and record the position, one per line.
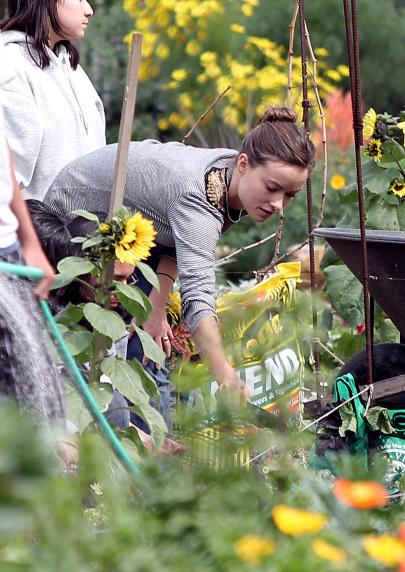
(165, 339)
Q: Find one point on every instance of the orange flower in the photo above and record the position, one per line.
(360, 494)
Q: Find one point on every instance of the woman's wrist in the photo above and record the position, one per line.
(166, 275)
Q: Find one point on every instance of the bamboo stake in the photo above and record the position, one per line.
(279, 236)
(206, 112)
(127, 117)
(314, 81)
(291, 52)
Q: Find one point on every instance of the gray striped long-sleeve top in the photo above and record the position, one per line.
(166, 182)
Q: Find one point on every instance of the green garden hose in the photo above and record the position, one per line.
(81, 385)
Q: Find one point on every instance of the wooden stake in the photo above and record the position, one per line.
(127, 118)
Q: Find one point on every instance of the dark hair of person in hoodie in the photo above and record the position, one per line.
(36, 18)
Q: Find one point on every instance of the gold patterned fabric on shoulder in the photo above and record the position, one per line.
(215, 186)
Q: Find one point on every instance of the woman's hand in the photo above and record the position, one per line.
(236, 387)
(34, 256)
(158, 328)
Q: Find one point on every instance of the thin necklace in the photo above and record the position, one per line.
(228, 178)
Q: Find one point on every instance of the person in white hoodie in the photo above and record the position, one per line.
(27, 371)
(52, 112)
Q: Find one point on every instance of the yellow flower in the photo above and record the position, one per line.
(369, 121)
(294, 521)
(174, 306)
(328, 551)
(104, 228)
(321, 52)
(238, 28)
(337, 182)
(136, 241)
(374, 149)
(247, 10)
(178, 120)
(343, 70)
(402, 126)
(397, 187)
(179, 75)
(333, 75)
(253, 549)
(387, 549)
(185, 101)
(173, 32)
(193, 48)
(162, 51)
(163, 124)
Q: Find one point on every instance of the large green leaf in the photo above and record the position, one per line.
(77, 411)
(77, 342)
(148, 274)
(134, 301)
(401, 215)
(380, 214)
(75, 266)
(131, 292)
(70, 315)
(345, 293)
(148, 382)
(107, 322)
(381, 181)
(85, 214)
(127, 380)
(150, 347)
(93, 241)
(393, 155)
(155, 421)
(69, 268)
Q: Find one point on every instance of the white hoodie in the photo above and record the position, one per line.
(8, 222)
(52, 115)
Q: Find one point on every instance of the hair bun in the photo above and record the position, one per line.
(278, 114)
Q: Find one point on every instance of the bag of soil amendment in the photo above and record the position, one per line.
(364, 428)
(262, 344)
(259, 340)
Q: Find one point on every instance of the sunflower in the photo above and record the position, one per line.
(374, 149)
(337, 182)
(136, 241)
(397, 187)
(174, 307)
(369, 123)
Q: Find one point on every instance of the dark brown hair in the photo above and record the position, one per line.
(277, 135)
(36, 18)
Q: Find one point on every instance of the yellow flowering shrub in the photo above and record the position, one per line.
(252, 549)
(295, 521)
(194, 49)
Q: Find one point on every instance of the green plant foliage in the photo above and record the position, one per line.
(126, 378)
(69, 268)
(149, 346)
(345, 291)
(148, 274)
(104, 321)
